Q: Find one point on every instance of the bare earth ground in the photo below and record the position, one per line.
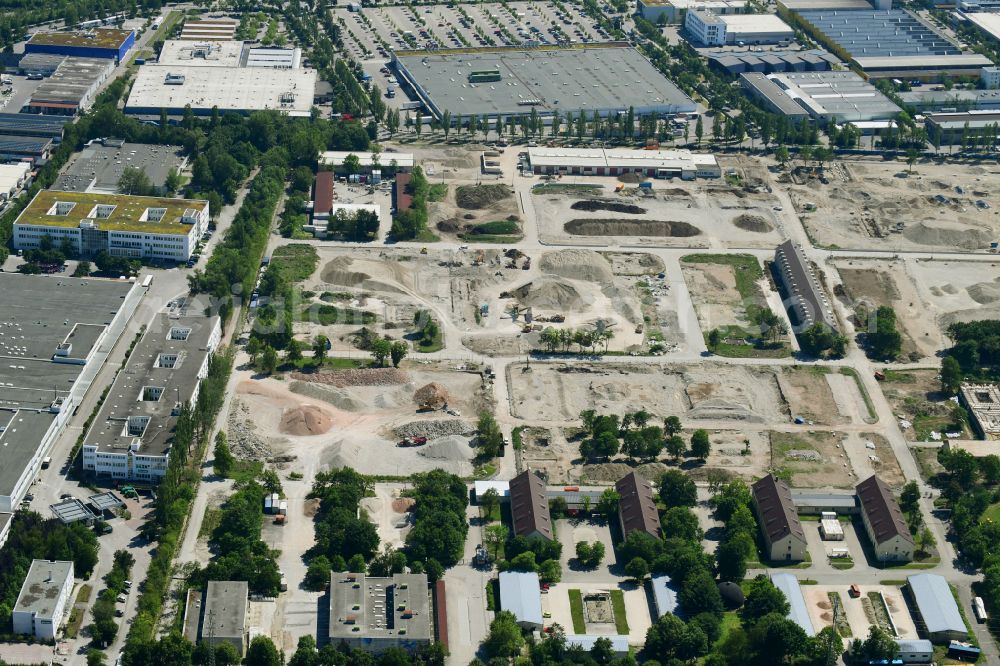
(814, 459)
(714, 294)
(820, 608)
(810, 396)
(865, 203)
(889, 283)
(958, 291)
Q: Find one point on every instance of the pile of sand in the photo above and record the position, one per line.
(305, 421)
(476, 197)
(613, 227)
(577, 265)
(551, 293)
(358, 377)
(433, 395)
(754, 223)
(962, 236)
(985, 293)
(592, 205)
(452, 448)
(339, 398)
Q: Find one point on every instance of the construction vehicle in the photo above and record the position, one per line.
(480, 258)
(619, 187)
(412, 441)
(879, 376)
(527, 264)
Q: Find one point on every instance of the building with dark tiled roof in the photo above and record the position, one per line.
(637, 506)
(884, 521)
(779, 521)
(529, 506)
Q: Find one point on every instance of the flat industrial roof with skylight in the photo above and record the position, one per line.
(603, 78)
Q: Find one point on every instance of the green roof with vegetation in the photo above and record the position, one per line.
(104, 38)
(125, 217)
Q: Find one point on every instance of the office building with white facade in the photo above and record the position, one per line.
(121, 225)
(42, 602)
(706, 28)
(132, 435)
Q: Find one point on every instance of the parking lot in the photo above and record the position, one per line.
(20, 92)
(372, 34)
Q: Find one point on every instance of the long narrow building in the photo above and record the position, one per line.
(529, 506)
(884, 522)
(779, 521)
(637, 506)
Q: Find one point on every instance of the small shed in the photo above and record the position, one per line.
(521, 594)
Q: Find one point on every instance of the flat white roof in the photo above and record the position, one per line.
(502, 488)
(205, 53)
(755, 23)
(797, 610)
(230, 89)
(986, 21)
(601, 157)
(337, 157)
(521, 595)
(12, 175)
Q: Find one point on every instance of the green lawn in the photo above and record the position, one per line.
(327, 315)
(489, 238)
(992, 514)
(437, 192)
(576, 610)
(618, 605)
(730, 621)
(298, 260)
(745, 266)
(213, 516)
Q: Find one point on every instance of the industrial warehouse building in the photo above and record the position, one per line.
(953, 125)
(889, 43)
(375, 614)
(674, 11)
(124, 226)
(520, 594)
(637, 506)
(13, 177)
(615, 162)
(809, 303)
(24, 124)
(71, 88)
(41, 604)
(224, 614)
(132, 434)
(797, 610)
(34, 149)
(401, 162)
(779, 521)
(768, 62)
(936, 608)
(104, 43)
(507, 82)
(529, 506)
(706, 28)
(209, 29)
(52, 331)
(884, 522)
(824, 96)
(179, 53)
(951, 100)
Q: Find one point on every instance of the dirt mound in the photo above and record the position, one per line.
(604, 204)
(436, 428)
(329, 394)
(475, 197)
(716, 410)
(985, 293)
(432, 395)
(610, 227)
(550, 293)
(577, 265)
(631, 178)
(451, 447)
(360, 377)
(336, 272)
(305, 421)
(754, 223)
(403, 504)
(450, 225)
(962, 236)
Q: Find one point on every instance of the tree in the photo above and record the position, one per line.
(489, 438)
(879, 646)
(700, 444)
(951, 375)
(293, 350)
(909, 498)
(505, 639)
(268, 360)
(672, 426)
(319, 347)
(700, 594)
(262, 652)
(699, 130)
(352, 163)
(174, 180)
(680, 522)
(731, 557)
(397, 352)
(494, 536)
(253, 349)
(82, 269)
(134, 182)
(607, 505)
(912, 155)
(714, 339)
(490, 501)
(677, 489)
(637, 568)
(925, 540)
(318, 573)
(224, 462)
(95, 658)
(762, 598)
(781, 154)
(590, 555)
(670, 639)
(381, 350)
(676, 447)
(550, 338)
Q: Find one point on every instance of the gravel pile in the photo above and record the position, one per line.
(437, 428)
(330, 394)
(357, 377)
(452, 447)
(244, 442)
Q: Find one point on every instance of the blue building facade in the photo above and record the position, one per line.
(39, 43)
